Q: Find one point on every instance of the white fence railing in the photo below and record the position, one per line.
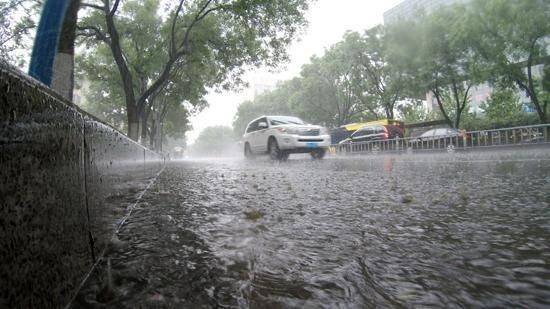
(525, 135)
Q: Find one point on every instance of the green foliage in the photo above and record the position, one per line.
(176, 122)
(202, 44)
(503, 105)
(269, 103)
(385, 75)
(479, 122)
(102, 100)
(414, 112)
(511, 36)
(546, 78)
(214, 141)
(352, 81)
(444, 64)
(17, 22)
(545, 88)
(144, 34)
(333, 86)
(446, 54)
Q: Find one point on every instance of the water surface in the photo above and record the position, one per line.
(445, 230)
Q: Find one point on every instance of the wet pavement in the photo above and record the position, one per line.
(443, 230)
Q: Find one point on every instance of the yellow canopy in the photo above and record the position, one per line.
(358, 125)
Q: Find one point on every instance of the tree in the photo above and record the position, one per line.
(318, 99)
(214, 141)
(503, 105)
(386, 82)
(333, 88)
(229, 34)
(352, 81)
(274, 102)
(512, 36)
(182, 95)
(17, 20)
(143, 31)
(445, 64)
(414, 112)
(174, 125)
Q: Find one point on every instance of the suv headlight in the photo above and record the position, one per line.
(324, 131)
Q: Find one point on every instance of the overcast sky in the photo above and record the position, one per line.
(328, 21)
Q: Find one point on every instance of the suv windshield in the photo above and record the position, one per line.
(278, 120)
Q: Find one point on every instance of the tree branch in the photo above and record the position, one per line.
(185, 43)
(464, 101)
(198, 17)
(435, 91)
(15, 34)
(93, 6)
(173, 30)
(115, 8)
(95, 32)
(10, 7)
(455, 94)
(183, 49)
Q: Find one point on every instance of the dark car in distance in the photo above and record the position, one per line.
(374, 133)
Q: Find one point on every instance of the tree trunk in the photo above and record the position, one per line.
(156, 136)
(458, 112)
(540, 111)
(441, 108)
(152, 134)
(133, 122)
(457, 119)
(63, 65)
(126, 76)
(533, 94)
(389, 112)
(160, 137)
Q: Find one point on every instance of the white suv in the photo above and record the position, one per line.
(280, 136)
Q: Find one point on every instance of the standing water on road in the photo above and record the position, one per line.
(462, 230)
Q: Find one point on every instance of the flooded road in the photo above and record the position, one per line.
(444, 230)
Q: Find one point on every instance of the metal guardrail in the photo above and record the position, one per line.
(525, 135)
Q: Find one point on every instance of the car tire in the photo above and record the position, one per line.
(318, 154)
(284, 155)
(248, 152)
(273, 149)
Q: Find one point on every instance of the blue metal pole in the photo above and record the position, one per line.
(45, 42)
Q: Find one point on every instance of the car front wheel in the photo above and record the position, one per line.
(318, 154)
(247, 151)
(284, 155)
(274, 151)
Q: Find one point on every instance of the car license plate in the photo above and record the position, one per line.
(311, 145)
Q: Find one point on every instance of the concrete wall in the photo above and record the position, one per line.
(65, 180)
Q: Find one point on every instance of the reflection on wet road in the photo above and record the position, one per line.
(462, 230)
